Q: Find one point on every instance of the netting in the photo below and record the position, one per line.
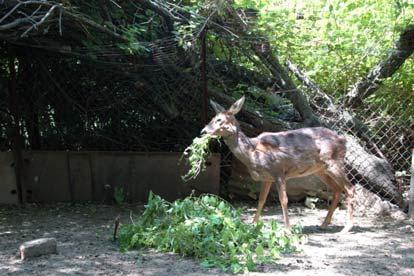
(380, 139)
(104, 98)
(78, 104)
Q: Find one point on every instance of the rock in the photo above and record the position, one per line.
(38, 247)
(310, 202)
(407, 229)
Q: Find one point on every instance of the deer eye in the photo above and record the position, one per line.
(218, 120)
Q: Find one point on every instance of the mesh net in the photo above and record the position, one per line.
(103, 98)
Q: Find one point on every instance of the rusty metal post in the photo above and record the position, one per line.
(411, 199)
(14, 126)
(204, 105)
(70, 182)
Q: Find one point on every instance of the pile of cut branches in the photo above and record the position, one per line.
(210, 230)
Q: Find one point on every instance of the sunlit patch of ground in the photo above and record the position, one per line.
(84, 234)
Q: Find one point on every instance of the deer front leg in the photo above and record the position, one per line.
(334, 204)
(262, 199)
(283, 199)
(330, 182)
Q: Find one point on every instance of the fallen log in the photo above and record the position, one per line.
(374, 173)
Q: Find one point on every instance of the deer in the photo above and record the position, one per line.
(275, 157)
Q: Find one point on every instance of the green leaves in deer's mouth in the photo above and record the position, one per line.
(196, 155)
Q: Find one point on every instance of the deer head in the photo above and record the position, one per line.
(224, 123)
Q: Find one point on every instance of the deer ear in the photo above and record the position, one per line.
(217, 108)
(237, 106)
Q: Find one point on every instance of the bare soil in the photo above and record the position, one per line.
(84, 233)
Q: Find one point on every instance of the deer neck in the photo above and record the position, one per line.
(240, 145)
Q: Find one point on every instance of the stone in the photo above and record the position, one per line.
(407, 229)
(38, 247)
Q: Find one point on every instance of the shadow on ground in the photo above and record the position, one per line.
(373, 247)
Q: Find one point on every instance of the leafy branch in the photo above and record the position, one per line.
(210, 230)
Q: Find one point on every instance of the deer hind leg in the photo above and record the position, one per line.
(330, 182)
(283, 199)
(262, 199)
(335, 171)
(350, 193)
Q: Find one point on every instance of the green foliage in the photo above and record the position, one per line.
(196, 155)
(210, 230)
(259, 99)
(184, 34)
(119, 195)
(134, 46)
(187, 33)
(338, 42)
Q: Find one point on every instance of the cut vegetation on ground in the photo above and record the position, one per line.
(210, 230)
(85, 247)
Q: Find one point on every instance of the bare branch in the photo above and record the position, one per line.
(96, 26)
(11, 11)
(19, 3)
(164, 13)
(159, 9)
(35, 26)
(18, 22)
(311, 85)
(60, 21)
(263, 51)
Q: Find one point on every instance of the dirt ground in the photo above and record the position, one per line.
(375, 247)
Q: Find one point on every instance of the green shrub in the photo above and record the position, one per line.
(119, 195)
(210, 230)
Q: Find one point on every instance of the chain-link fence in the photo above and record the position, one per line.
(380, 139)
(380, 136)
(109, 100)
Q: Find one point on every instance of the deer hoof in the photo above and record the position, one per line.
(346, 229)
(323, 226)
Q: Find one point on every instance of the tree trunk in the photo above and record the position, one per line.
(282, 81)
(403, 49)
(373, 173)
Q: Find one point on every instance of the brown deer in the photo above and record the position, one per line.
(278, 156)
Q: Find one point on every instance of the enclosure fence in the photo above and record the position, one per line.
(380, 136)
(108, 100)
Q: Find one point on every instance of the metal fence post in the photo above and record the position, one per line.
(14, 124)
(411, 201)
(203, 65)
